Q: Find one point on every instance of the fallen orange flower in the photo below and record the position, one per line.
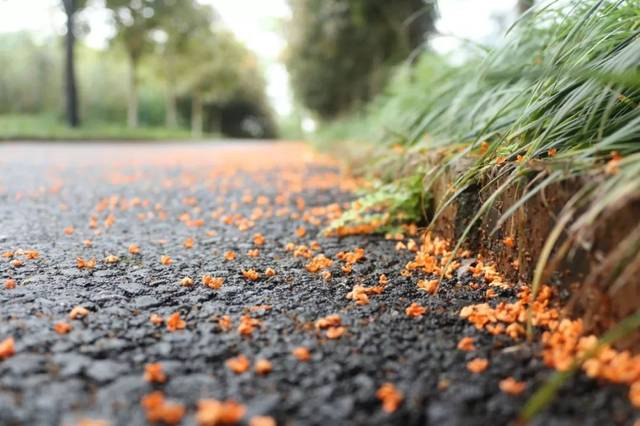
(9, 283)
(153, 373)
(511, 386)
(253, 253)
(301, 232)
(263, 366)
(430, 286)
(239, 364)
(85, 264)
(212, 282)
(174, 322)
(332, 320)
(156, 319)
(335, 332)
(262, 421)
(134, 249)
(62, 327)
(188, 243)
(158, 410)
(466, 344)
(302, 353)
(251, 275)
(229, 256)
(7, 348)
(215, 413)
(258, 239)
(165, 260)
(69, 230)
(477, 365)
(111, 259)
(31, 254)
(186, 282)
(414, 310)
(390, 396)
(270, 272)
(78, 312)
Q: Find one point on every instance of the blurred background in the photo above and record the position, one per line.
(178, 69)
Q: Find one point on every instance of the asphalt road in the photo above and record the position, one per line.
(129, 205)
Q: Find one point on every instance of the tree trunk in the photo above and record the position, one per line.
(196, 116)
(70, 72)
(171, 107)
(524, 5)
(132, 106)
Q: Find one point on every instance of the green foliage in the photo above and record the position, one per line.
(388, 204)
(341, 51)
(51, 127)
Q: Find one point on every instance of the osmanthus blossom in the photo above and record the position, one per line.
(390, 397)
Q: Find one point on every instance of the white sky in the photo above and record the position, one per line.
(255, 22)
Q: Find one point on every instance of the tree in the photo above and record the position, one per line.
(221, 71)
(134, 21)
(341, 51)
(178, 21)
(71, 8)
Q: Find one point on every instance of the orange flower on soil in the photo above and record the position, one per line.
(78, 312)
(390, 396)
(165, 260)
(31, 254)
(383, 280)
(301, 232)
(212, 282)
(229, 256)
(188, 243)
(332, 320)
(508, 242)
(16, 263)
(326, 275)
(7, 254)
(225, 322)
(134, 249)
(262, 421)
(415, 311)
(85, 264)
(318, 263)
(174, 322)
(186, 282)
(156, 319)
(247, 325)
(153, 373)
(251, 275)
(302, 353)
(253, 253)
(466, 344)
(477, 365)
(258, 239)
(111, 259)
(69, 230)
(7, 348)
(430, 286)
(335, 332)
(239, 364)
(263, 366)
(9, 283)
(62, 327)
(511, 386)
(270, 272)
(216, 413)
(159, 410)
